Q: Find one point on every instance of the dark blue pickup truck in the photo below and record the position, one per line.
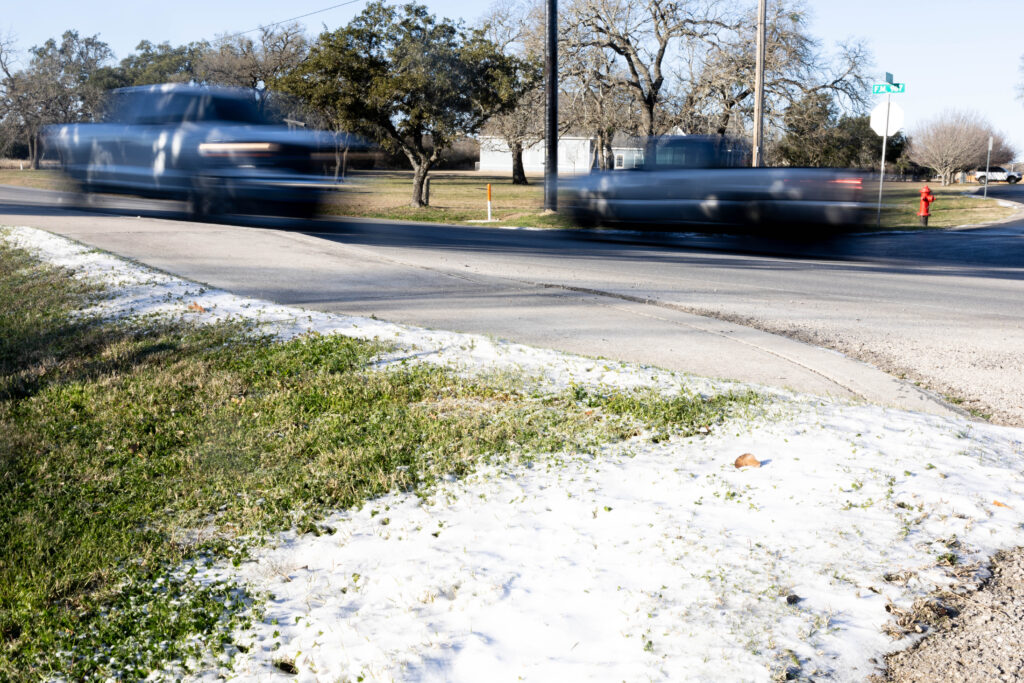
(210, 147)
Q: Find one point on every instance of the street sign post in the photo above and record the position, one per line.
(887, 88)
(886, 120)
(988, 162)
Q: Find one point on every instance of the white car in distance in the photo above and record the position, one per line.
(996, 174)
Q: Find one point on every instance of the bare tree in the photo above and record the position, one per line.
(258, 64)
(957, 141)
(719, 76)
(642, 36)
(597, 103)
(514, 26)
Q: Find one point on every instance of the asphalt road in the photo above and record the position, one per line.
(942, 309)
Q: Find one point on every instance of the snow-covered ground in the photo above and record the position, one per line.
(643, 561)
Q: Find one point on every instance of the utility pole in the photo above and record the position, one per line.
(551, 121)
(759, 86)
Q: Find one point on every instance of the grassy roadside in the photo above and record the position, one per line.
(455, 197)
(950, 209)
(458, 197)
(128, 449)
(41, 179)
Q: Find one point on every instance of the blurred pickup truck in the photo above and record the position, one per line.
(707, 181)
(210, 147)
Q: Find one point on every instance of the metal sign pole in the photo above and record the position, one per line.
(881, 177)
(988, 162)
(551, 121)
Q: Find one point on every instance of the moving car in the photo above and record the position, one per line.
(209, 146)
(698, 181)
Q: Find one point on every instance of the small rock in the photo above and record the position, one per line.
(286, 666)
(792, 599)
(747, 460)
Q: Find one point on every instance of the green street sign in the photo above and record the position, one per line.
(883, 88)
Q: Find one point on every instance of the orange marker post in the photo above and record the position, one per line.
(488, 201)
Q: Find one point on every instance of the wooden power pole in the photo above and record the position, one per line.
(759, 86)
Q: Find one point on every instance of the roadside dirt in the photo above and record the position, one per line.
(983, 638)
(984, 641)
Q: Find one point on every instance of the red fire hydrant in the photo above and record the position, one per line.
(926, 198)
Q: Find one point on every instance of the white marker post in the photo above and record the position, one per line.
(488, 202)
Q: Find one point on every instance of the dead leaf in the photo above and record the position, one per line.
(196, 307)
(1001, 505)
(747, 460)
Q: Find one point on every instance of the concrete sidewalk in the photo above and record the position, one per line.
(329, 275)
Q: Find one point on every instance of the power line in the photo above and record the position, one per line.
(301, 16)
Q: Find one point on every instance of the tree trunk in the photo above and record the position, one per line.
(518, 172)
(599, 151)
(419, 175)
(647, 109)
(33, 150)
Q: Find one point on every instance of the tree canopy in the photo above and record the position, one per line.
(815, 134)
(409, 81)
(56, 87)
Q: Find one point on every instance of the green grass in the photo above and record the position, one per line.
(901, 201)
(130, 449)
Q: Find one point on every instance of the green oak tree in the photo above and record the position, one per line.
(412, 83)
(56, 87)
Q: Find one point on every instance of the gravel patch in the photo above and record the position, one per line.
(985, 642)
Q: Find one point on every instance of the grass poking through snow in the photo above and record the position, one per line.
(128, 448)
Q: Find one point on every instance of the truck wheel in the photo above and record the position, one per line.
(1012, 180)
(197, 205)
(206, 201)
(982, 180)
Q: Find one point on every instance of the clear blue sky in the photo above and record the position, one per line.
(950, 53)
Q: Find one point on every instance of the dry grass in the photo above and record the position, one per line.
(455, 197)
(43, 179)
(23, 165)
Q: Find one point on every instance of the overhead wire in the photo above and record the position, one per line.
(285, 21)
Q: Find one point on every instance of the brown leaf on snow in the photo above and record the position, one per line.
(747, 460)
(196, 307)
(1001, 505)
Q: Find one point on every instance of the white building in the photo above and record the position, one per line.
(575, 154)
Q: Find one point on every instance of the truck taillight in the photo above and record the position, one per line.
(850, 182)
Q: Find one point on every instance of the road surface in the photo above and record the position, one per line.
(942, 310)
